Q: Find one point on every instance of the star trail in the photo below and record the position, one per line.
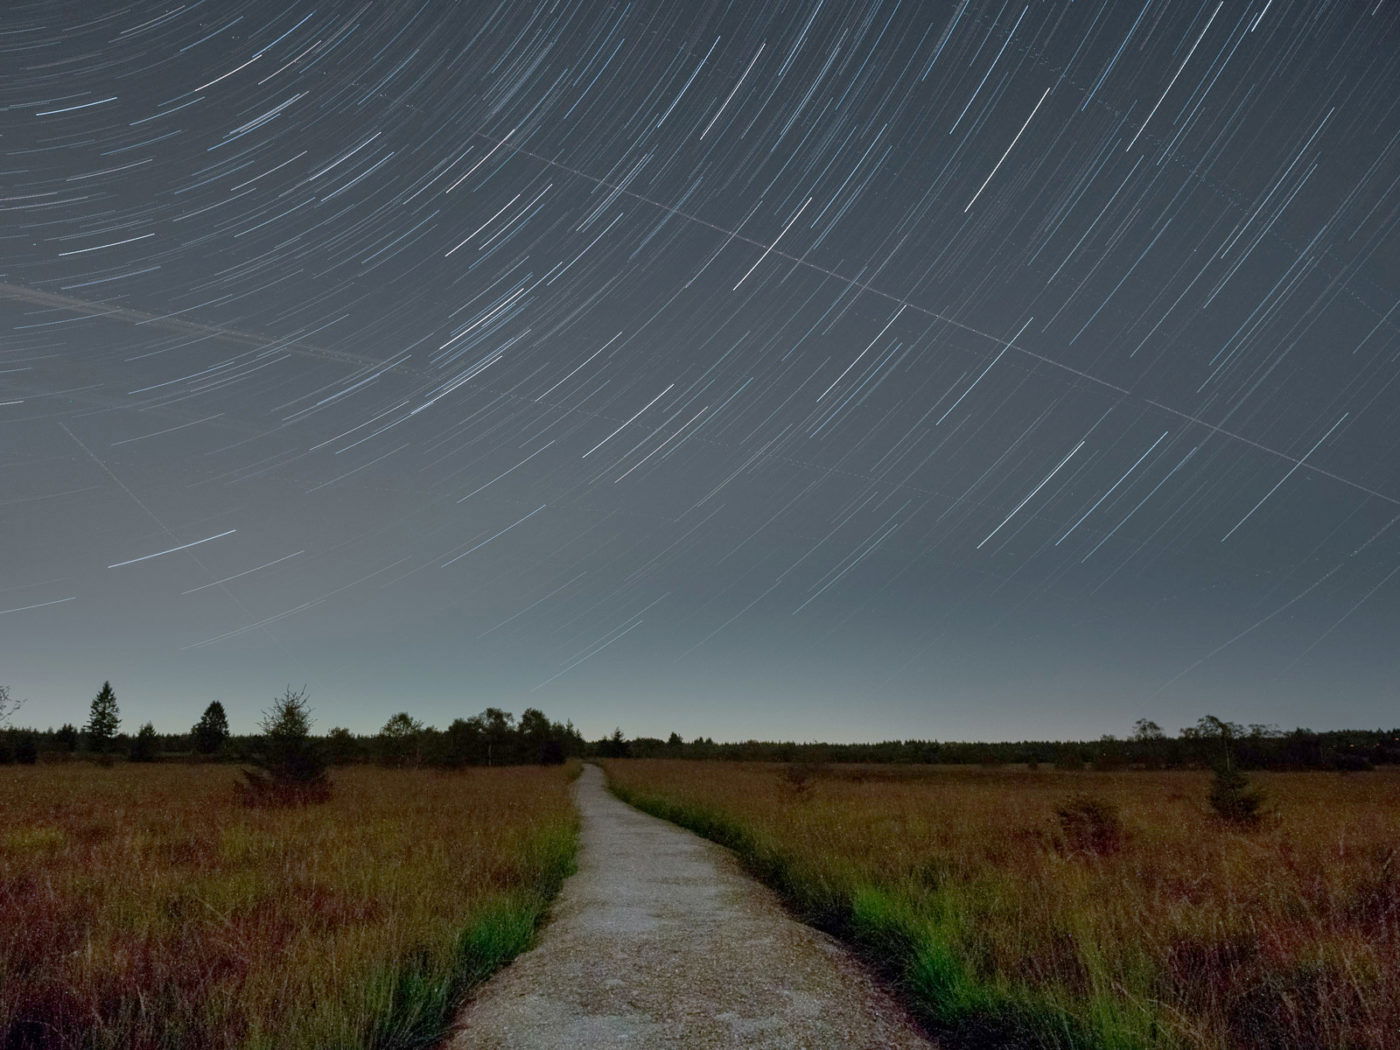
(803, 369)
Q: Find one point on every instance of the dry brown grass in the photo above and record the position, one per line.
(1187, 934)
(145, 907)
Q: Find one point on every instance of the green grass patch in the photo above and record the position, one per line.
(422, 995)
(921, 945)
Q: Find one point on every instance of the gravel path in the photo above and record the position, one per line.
(661, 941)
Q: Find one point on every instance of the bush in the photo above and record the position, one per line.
(551, 752)
(1090, 825)
(143, 745)
(26, 749)
(1352, 763)
(342, 747)
(400, 742)
(1110, 762)
(291, 768)
(801, 776)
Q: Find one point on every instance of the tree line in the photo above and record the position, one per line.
(1252, 747)
(497, 737)
(492, 738)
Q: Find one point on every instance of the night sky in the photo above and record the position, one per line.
(808, 370)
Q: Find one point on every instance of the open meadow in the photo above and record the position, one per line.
(1080, 909)
(145, 907)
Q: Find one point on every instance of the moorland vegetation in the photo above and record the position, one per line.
(160, 904)
(1229, 887)
(1194, 909)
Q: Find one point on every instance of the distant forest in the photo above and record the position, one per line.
(1196, 747)
(497, 737)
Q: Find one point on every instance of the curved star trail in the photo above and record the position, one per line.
(801, 368)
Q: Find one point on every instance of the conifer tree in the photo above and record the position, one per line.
(1233, 798)
(210, 733)
(103, 720)
(291, 768)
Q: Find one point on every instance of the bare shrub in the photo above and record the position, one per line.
(8, 705)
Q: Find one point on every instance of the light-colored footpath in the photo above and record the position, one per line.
(661, 941)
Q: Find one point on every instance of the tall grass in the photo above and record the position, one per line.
(1003, 931)
(145, 908)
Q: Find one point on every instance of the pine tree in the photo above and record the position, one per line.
(144, 746)
(614, 746)
(210, 733)
(103, 720)
(291, 768)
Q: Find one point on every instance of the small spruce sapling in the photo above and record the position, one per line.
(1232, 797)
(291, 767)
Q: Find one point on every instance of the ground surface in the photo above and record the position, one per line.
(661, 941)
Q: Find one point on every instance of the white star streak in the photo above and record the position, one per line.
(172, 550)
(1031, 494)
(1007, 153)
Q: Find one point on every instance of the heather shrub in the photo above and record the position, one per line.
(1089, 825)
(801, 776)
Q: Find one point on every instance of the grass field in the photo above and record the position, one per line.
(1002, 933)
(143, 907)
